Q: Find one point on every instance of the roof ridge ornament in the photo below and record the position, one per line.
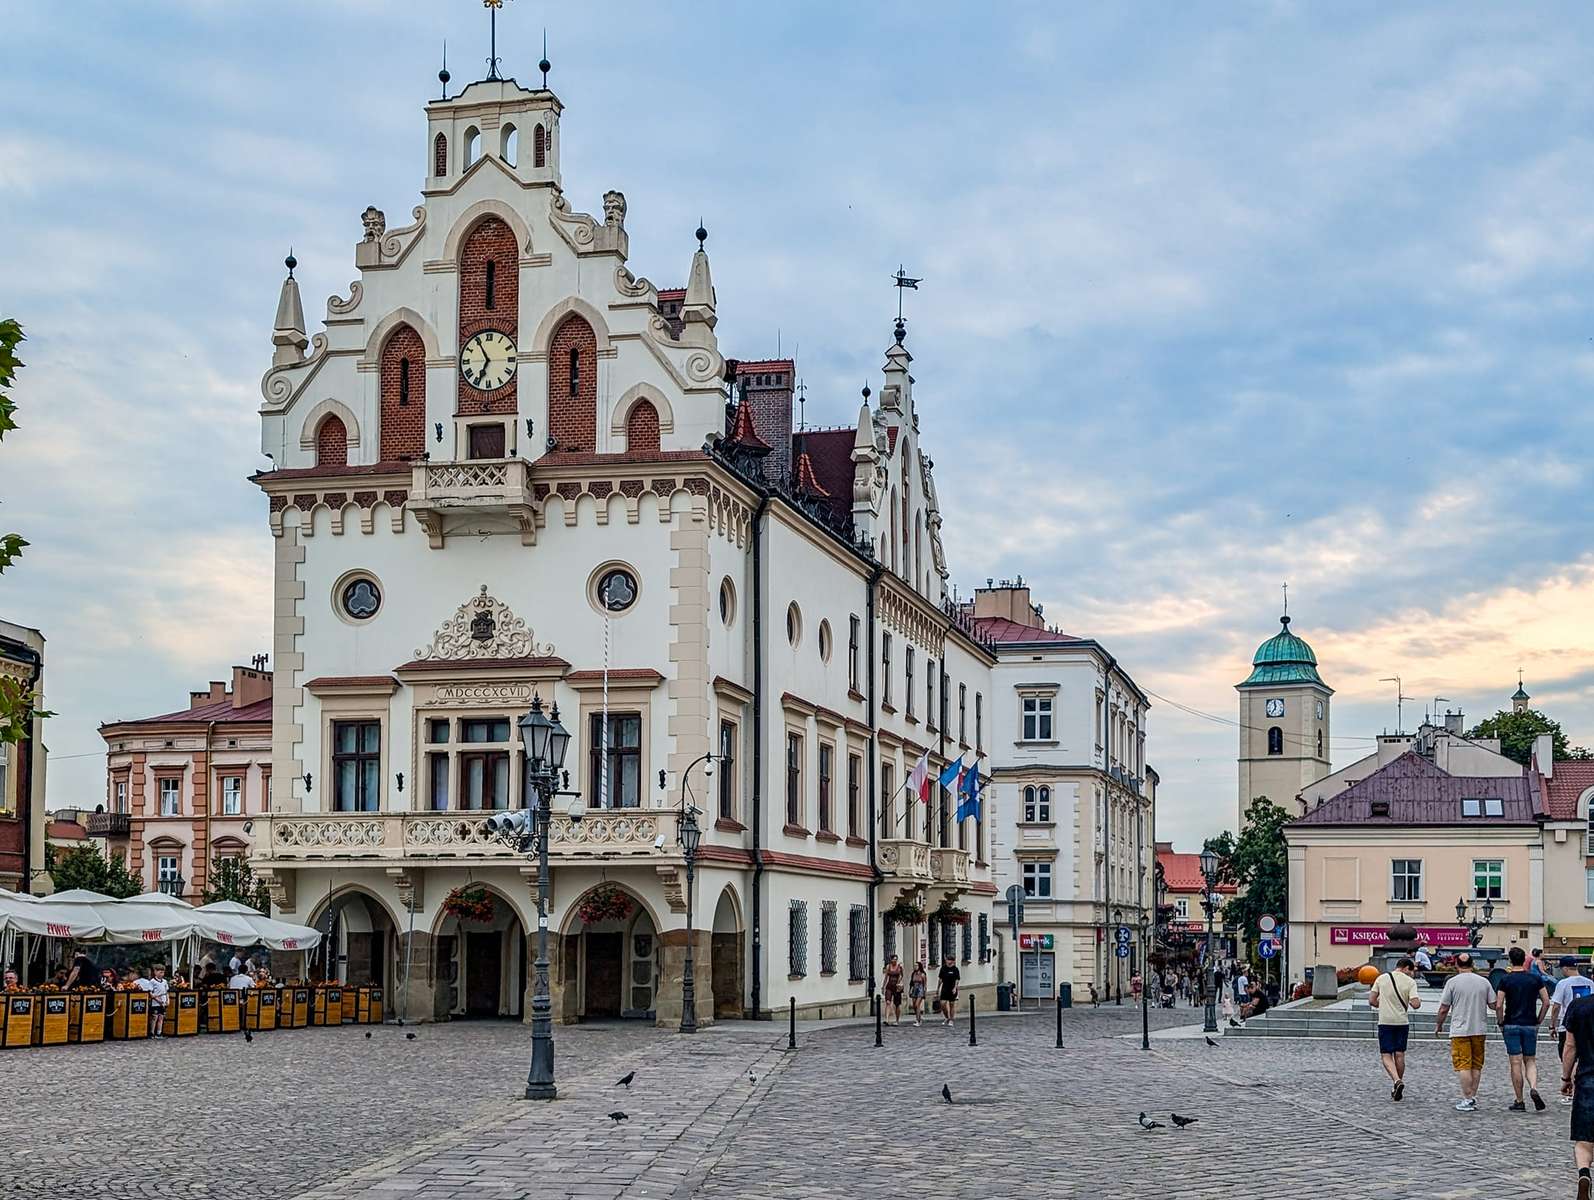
(492, 7)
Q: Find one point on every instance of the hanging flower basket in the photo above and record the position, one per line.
(602, 903)
(905, 912)
(471, 903)
(950, 914)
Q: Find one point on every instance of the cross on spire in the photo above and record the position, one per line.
(1286, 599)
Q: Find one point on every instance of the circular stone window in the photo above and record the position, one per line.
(616, 589)
(824, 641)
(727, 601)
(794, 623)
(359, 597)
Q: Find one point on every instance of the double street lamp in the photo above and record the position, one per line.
(1470, 922)
(1209, 876)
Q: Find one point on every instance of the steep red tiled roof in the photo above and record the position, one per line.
(1419, 793)
(1183, 872)
(672, 293)
(806, 480)
(1562, 790)
(891, 437)
(765, 364)
(1000, 629)
(744, 435)
(221, 711)
(829, 452)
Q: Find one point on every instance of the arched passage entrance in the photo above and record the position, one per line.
(610, 966)
(726, 956)
(480, 965)
(357, 946)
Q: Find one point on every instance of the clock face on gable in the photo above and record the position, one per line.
(487, 361)
(1275, 708)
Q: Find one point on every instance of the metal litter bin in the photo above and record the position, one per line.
(1065, 995)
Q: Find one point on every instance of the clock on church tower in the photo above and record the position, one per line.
(1284, 722)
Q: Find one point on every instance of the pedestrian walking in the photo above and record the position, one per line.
(1394, 995)
(1538, 966)
(1577, 1074)
(155, 985)
(917, 984)
(1571, 986)
(1242, 985)
(893, 988)
(949, 978)
(1135, 987)
(1467, 1001)
(1522, 1001)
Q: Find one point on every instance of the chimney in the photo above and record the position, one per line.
(1454, 722)
(250, 686)
(767, 387)
(1543, 758)
(216, 694)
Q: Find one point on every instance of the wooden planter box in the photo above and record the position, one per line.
(129, 1015)
(18, 1019)
(326, 1006)
(351, 1005)
(54, 1016)
(222, 1010)
(368, 1006)
(260, 1008)
(87, 1013)
(293, 1009)
(182, 1013)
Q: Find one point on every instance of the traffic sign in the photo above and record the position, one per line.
(1266, 923)
(1267, 949)
(1123, 950)
(1123, 935)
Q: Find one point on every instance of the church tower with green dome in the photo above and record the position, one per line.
(1283, 722)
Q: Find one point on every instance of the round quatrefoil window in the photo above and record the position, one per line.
(360, 598)
(616, 590)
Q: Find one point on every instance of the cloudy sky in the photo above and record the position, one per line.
(1216, 296)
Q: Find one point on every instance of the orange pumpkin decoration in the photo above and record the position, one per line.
(1367, 974)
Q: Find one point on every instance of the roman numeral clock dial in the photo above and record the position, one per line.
(487, 361)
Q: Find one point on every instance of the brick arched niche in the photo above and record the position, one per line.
(331, 443)
(489, 298)
(573, 386)
(403, 414)
(642, 427)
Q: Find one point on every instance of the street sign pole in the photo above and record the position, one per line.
(1015, 918)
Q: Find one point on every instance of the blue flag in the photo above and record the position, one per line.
(952, 776)
(970, 805)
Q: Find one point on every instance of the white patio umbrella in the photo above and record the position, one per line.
(245, 926)
(47, 917)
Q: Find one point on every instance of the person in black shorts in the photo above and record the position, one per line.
(1577, 1070)
(949, 977)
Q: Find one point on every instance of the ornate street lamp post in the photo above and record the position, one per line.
(1148, 941)
(1117, 959)
(1209, 875)
(690, 835)
(545, 742)
(1473, 926)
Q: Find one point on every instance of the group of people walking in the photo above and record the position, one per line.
(1521, 1000)
(948, 981)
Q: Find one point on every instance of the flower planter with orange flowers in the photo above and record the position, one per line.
(18, 1019)
(87, 1013)
(222, 1010)
(129, 1014)
(54, 1019)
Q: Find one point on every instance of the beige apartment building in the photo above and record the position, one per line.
(1568, 854)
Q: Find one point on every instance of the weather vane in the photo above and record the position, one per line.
(901, 280)
(492, 7)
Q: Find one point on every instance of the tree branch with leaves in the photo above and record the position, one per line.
(18, 700)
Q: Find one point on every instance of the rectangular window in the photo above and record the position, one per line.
(1488, 879)
(963, 714)
(797, 938)
(979, 721)
(484, 780)
(486, 441)
(827, 938)
(5, 777)
(726, 771)
(624, 763)
(1405, 879)
(1471, 806)
(166, 875)
(1038, 804)
(356, 766)
(437, 772)
(985, 937)
(967, 939)
(121, 785)
(1588, 887)
(171, 793)
(854, 795)
(885, 668)
(1037, 718)
(930, 718)
(827, 755)
(852, 653)
(907, 661)
(888, 800)
(232, 795)
(949, 935)
(1182, 907)
(437, 731)
(794, 779)
(1493, 806)
(857, 943)
(1038, 880)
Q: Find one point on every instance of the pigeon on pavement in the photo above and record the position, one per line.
(1233, 1024)
(409, 1037)
(625, 1080)
(1181, 1122)
(1210, 1042)
(248, 1037)
(617, 1116)
(367, 1035)
(1149, 1124)
(946, 1093)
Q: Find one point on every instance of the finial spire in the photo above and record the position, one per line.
(443, 76)
(1286, 602)
(701, 234)
(492, 7)
(802, 406)
(287, 331)
(544, 65)
(290, 262)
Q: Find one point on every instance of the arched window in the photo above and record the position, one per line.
(1319, 743)
(402, 427)
(473, 147)
(642, 427)
(1275, 740)
(440, 156)
(489, 285)
(572, 385)
(539, 147)
(508, 144)
(331, 443)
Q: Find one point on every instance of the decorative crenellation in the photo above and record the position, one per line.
(339, 503)
(483, 628)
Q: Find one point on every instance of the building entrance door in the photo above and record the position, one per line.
(1038, 975)
(483, 973)
(605, 973)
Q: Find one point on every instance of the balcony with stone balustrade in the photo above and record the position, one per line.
(449, 496)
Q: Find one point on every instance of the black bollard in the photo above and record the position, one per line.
(1059, 1022)
(877, 1022)
(973, 1040)
(791, 1037)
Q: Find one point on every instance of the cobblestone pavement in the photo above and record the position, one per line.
(731, 1113)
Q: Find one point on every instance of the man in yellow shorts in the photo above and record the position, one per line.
(1467, 1001)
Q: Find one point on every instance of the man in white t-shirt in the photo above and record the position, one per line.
(1242, 986)
(1468, 1000)
(1394, 994)
(241, 980)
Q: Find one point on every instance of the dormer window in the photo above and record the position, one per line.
(1378, 808)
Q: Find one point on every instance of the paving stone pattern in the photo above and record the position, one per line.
(730, 1113)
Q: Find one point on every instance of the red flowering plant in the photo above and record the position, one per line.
(602, 903)
(905, 912)
(950, 914)
(469, 903)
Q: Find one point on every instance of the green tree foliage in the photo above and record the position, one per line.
(1258, 863)
(17, 700)
(84, 867)
(1517, 732)
(232, 879)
